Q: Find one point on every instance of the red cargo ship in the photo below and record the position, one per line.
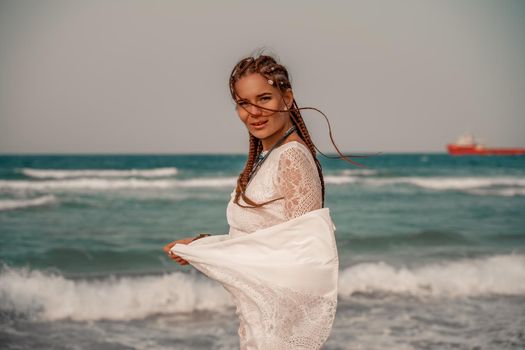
(467, 145)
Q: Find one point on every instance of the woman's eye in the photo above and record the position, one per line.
(266, 98)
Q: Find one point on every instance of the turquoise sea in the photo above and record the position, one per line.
(431, 248)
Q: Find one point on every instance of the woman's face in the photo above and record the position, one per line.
(254, 89)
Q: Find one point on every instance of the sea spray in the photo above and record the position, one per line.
(11, 204)
(493, 275)
(102, 184)
(49, 296)
(69, 173)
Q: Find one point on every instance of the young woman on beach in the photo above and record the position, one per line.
(279, 260)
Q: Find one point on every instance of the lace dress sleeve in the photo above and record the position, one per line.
(298, 182)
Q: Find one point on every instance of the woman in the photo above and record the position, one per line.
(279, 260)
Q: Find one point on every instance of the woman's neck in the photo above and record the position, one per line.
(270, 141)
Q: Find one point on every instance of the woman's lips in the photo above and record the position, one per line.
(259, 125)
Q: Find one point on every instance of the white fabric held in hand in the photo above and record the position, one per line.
(283, 279)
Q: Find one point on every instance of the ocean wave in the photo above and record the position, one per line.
(114, 184)
(339, 179)
(495, 186)
(499, 192)
(449, 183)
(499, 274)
(348, 176)
(419, 238)
(47, 296)
(208, 182)
(359, 172)
(11, 204)
(71, 173)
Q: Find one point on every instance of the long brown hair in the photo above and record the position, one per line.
(278, 76)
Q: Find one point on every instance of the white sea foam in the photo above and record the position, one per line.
(449, 183)
(114, 184)
(52, 297)
(339, 179)
(498, 186)
(11, 204)
(70, 173)
(500, 274)
(499, 192)
(208, 182)
(348, 176)
(358, 172)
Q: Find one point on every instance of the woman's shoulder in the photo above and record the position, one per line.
(297, 170)
(294, 150)
(293, 144)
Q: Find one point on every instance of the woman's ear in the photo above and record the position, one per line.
(288, 98)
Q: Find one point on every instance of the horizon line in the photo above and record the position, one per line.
(367, 153)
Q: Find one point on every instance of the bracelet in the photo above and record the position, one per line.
(201, 235)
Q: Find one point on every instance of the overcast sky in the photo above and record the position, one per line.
(151, 76)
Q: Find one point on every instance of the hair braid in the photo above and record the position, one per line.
(253, 153)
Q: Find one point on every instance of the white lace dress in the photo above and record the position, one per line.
(289, 172)
(278, 262)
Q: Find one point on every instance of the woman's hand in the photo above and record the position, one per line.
(174, 256)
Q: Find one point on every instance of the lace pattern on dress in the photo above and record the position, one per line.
(277, 317)
(289, 172)
(298, 182)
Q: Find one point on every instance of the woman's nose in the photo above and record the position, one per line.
(254, 110)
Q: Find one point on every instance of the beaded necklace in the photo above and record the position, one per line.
(262, 157)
